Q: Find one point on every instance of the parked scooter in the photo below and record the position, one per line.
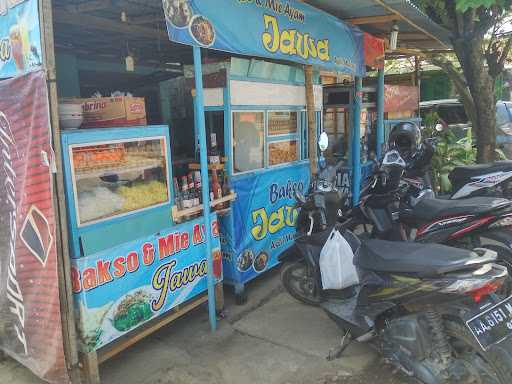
(397, 211)
(429, 308)
(490, 180)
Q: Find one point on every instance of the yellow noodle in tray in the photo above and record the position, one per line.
(143, 195)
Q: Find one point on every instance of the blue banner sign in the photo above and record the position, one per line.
(120, 289)
(264, 218)
(277, 29)
(344, 180)
(20, 37)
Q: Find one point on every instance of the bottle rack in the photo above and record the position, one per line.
(211, 167)
(182, 215)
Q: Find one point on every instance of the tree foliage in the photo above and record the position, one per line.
(464, 5)
(482, 49)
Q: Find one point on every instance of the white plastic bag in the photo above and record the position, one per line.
(337, 263)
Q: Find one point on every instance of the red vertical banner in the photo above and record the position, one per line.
(373, 51)
(30, 319)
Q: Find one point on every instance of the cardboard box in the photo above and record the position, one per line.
(120, 111)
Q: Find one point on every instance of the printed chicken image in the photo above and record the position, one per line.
(202, 31)
(260, 262)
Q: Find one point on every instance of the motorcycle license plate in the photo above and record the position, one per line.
(493, 325)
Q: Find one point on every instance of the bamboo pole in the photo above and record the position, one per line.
(312, 129)
(61, 226)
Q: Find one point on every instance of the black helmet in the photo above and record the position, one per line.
(405, 137)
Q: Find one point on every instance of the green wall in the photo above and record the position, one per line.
(435, 85)
(68, 80)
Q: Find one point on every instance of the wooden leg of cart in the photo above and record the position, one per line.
(219, 297)
(90, 367)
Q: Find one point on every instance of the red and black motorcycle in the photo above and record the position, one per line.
(396, 211)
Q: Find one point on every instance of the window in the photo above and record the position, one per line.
(282, 152)
(282, 123)
(336, 125)
(260, 142)
(116, 178)
(283, 132)
(248, 141)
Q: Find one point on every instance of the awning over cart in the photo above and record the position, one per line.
(282, 30)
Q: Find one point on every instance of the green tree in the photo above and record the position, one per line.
(482, 49)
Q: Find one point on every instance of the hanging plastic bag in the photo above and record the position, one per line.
(337, 263)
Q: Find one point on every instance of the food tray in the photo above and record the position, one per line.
(98, 157)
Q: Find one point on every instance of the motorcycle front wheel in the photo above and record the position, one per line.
(299, 281)
(487, 367)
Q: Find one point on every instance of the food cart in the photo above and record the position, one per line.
(256, 110)
(111, 246)
(269, 115)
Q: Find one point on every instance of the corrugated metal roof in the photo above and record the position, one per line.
(417, 30)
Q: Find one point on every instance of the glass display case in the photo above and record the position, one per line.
(118, 177)
(118, 185)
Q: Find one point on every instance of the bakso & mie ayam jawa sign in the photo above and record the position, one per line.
(276, 29)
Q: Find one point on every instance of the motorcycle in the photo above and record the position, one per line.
(430, 309)
(491, 180)
(400, 211)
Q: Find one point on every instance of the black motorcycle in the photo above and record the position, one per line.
(397, 209)
(430, 309)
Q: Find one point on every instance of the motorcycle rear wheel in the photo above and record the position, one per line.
(299, 282)
(491, 367)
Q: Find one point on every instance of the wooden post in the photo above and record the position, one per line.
(219, 297)
(380, 113)
(59, 201)
(90, 368)
(417, 72)
(312, 131)
(356, 141)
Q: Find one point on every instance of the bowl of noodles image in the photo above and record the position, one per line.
(202, 31)
(128, 312)
(178, 13)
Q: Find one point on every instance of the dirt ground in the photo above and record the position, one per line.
(272, 339)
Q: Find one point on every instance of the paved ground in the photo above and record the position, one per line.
(271, 340)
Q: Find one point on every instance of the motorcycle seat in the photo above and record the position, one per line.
(466, 172)
(431, 209)
(415, 258)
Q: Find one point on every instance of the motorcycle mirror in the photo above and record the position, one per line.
(299, 197)
(323, 142)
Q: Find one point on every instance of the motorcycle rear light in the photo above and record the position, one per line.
(478, 294)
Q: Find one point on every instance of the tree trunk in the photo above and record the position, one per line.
(461, 86)
(481, 85)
